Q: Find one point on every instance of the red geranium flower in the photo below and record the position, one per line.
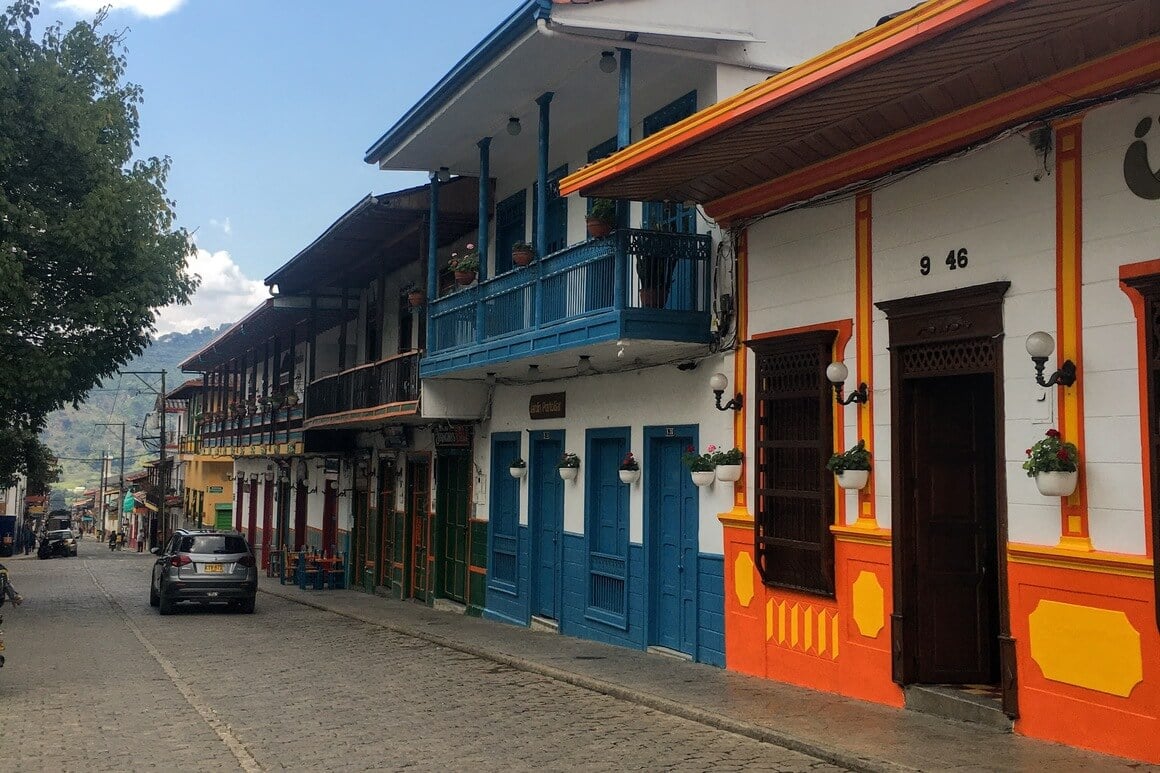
(1061, 454)
(1052, 433)
(1029, 452)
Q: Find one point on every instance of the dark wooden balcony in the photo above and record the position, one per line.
(365, 394)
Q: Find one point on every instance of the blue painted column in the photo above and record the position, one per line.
(432, 257)
(484, 204)
(544, 101)
(623, 140)
(624, 101)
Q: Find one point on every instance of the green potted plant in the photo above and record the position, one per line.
(728, 463)
(601, 218)
(629, 469)
(700, 466)
(852, 467)
(465, 265)
(1054, 464)
(568, 466)
(518, 468)
(413, 295)
(523, 253)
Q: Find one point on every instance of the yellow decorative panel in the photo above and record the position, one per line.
(793, 625)
(821, 632)
(802, 627)
(781, 622)
(769, 620)
(834, 639)
(808, 630)
(1086, 646)
(869, 605)
(743, 578)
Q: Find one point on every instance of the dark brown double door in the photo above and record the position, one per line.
(950, 623)
(953, 527)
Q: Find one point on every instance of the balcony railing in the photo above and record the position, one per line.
(386, 382)
(269, 426)
(664, 277)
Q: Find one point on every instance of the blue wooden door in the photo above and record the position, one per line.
(672, 516)
(546, 521)
(606, 527)
(503, 570)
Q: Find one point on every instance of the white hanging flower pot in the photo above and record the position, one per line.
(703, 478)
(568, 473)
(629, 476)
(518, 472)
(1057, 484)
(853, 479)
(729, 472)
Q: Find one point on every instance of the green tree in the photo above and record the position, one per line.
(88, 247)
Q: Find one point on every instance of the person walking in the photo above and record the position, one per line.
(7, 589)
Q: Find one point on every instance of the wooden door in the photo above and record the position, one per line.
(267, 521)
(386, 542)
(954, 519)
(418, 514)
(546, 516)
(300, 501)
(452, 501)
(672, 517)
(330, 516)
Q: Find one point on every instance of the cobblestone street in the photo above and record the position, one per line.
(97, 680)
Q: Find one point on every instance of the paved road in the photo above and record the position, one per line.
(97, 680)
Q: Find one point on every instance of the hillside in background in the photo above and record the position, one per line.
(75, 436)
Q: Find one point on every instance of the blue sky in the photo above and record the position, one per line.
(266, 109)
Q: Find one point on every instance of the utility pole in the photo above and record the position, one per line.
(120, 424)
(162, 472)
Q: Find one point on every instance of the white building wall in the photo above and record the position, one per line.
(661, 396)
(990, 203)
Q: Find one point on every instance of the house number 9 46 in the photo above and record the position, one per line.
(955, 259)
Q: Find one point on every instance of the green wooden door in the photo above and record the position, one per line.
(452, 491)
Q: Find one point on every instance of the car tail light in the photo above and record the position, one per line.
(246, 561)
(179, 560)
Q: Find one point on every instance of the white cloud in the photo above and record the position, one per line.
(224, 225)
(150, 8)
(224, 295)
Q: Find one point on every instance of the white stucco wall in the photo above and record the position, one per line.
(662, 396)
(989, 202)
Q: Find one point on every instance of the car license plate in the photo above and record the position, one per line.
(213, 568)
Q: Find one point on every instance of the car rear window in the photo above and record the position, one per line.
(213, 543)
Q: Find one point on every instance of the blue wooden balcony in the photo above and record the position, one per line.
(630, 285)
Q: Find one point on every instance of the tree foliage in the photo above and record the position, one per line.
(88, 247)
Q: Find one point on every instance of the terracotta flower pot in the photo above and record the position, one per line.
(522, 257)
(415, 298)
(598, 228)
(464, 277)
(1057, 484)
(653, 297)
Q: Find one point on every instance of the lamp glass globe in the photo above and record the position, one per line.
(1040, 344)
(718, 382)
(837, 372)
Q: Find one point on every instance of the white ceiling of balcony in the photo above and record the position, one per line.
(584, 105)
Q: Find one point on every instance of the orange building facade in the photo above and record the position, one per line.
(914, 204)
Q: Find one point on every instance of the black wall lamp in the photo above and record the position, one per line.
(1040, 345)
(837, 372)
(717, 383)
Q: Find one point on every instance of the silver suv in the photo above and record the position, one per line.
(204, 566)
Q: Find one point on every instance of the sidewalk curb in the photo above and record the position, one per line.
(664, 705)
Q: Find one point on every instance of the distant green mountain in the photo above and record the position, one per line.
(78, 440)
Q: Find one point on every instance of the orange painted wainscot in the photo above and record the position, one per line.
(1088, 650)
(839, 645)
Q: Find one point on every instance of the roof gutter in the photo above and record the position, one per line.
(519, 23)
(545, 27)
